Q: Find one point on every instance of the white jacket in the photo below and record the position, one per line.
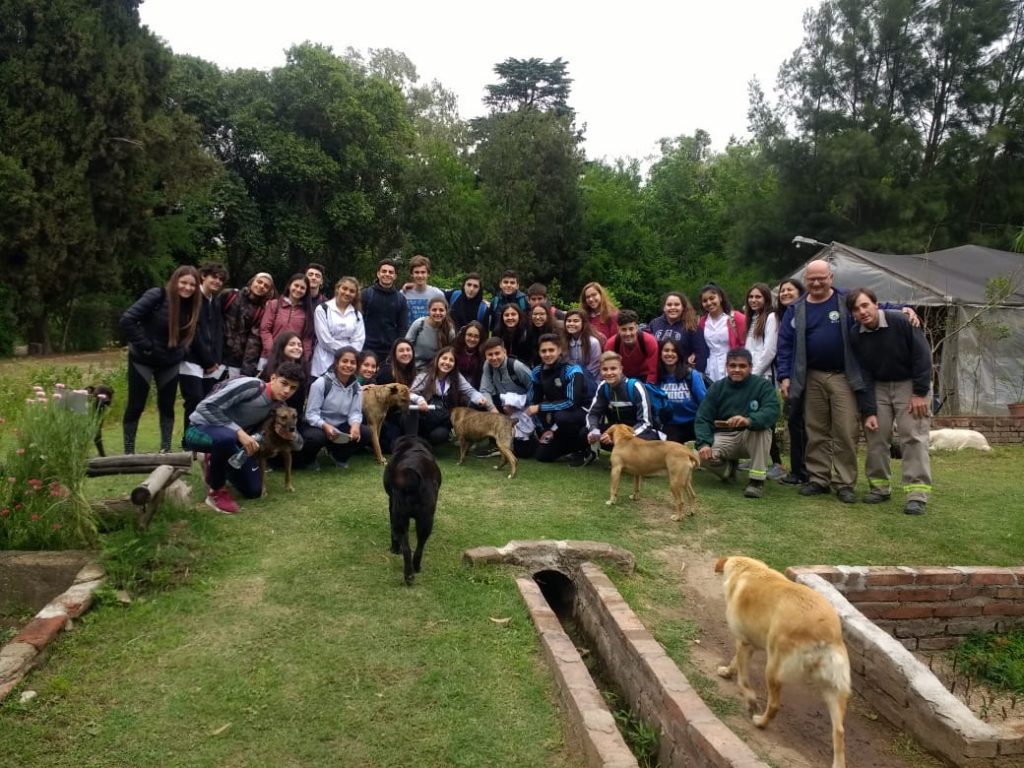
(335, 329)
(763, 350)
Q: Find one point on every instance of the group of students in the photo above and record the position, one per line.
(562, 376)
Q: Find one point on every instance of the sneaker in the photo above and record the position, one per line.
(775, 472)
(790, 479)
(875, 496)
(813, 489)
(589, 457)
(579, 459)
(914, 507)
(755, 489)
(340, 464)
(486, 453)
(221, 501)
(730, 471)
(847, 496)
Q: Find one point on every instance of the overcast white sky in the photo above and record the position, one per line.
(642, 70)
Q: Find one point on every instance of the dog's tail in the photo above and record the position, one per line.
(824, 666)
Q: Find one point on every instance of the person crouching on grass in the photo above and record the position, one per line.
(224, 422)
(735, 420)
(618, 402)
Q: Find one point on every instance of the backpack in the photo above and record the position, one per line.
(510, 369)
(661, 406)
(481, 310)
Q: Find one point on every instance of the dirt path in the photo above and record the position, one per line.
(800, 736)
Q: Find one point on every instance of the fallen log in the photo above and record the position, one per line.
(136, 464)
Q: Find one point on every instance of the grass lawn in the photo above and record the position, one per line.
(293, 642)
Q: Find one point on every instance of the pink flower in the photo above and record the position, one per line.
(56, 396)
(58, 385)
(3, 420)
(29, 401)
(20, 451)
(17, 507)
(4, 512)
(37, 388)
(56, 526)
(35, 518)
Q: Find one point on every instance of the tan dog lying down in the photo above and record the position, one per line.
(642, 458)
(956, 439)
(471, 425)
(799, 630)
(378, 399)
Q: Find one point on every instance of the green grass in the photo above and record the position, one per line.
(284, 636)
(998, 659)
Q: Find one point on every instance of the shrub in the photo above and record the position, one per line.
(42, 497)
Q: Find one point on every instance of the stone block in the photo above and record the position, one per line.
(1004, 608)
(938, 575)
(40, 632)
(889, 577)
(15, 659)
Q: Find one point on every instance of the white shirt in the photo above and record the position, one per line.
(335, 329)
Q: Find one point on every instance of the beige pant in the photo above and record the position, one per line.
(894, 407)
(745, 443)
(833, 425)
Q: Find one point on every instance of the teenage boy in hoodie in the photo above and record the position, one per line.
(467, 304)
(508, 293)
(385, 311)
(225, 422)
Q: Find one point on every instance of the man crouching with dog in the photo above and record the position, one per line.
(221, 425)
(736, 419)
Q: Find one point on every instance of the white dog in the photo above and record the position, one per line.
(956, 439)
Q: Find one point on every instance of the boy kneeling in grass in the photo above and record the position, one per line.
(216, 429)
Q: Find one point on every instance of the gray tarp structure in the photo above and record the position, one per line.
(978, 347)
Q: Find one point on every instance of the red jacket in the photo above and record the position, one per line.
(639, 361)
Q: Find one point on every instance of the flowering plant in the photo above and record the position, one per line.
(42, 475)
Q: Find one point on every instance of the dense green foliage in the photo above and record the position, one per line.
(897, 125)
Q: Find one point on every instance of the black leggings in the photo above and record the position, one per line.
(166, 380)
(794, 412)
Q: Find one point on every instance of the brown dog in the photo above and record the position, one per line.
(278, 433)
(471, 425)
(801, 634)
(378, 399)
(642, 458)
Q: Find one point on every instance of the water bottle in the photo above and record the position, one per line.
(238, 459)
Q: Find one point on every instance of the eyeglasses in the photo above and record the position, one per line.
(818, 279)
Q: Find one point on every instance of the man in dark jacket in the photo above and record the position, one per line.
(385, 311)
(736, 419)
(203, 365)
(897, 365)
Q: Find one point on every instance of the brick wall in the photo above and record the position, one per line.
(888, 611)
(998, 430)
(931, 608)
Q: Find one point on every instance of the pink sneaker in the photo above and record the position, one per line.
(221, 501)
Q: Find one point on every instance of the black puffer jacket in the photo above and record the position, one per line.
(145, 325)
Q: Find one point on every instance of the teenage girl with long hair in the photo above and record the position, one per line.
(512, 330)
(439, 388)
(684, 386)
(762, 341)
(581, 345)
(602, 313)
(723, 329)
(160, 326)
(291, 311)
(431, 332)
(469, 358)
(678, 321)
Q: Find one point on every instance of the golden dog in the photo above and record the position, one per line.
(799, 630)
(278, 433)
(642, 458)
(378, 399)
(471, 425)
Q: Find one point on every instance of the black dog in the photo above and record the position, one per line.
(412, 480)
(100, 398)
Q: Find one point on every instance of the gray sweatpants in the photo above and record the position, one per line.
(745, 443)
(894, 407)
